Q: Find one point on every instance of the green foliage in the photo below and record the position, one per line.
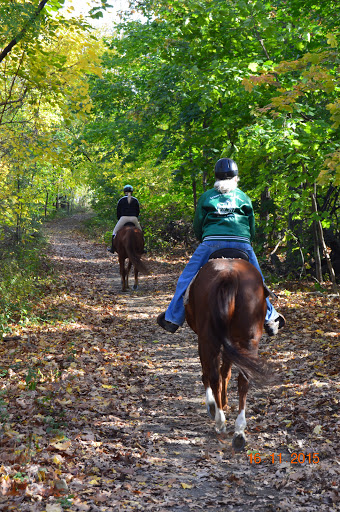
(158, 101)
(43, 95)
(99, 228)
(23, 275)
(201, 80)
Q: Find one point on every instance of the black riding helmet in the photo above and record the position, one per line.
(128, 188)
(225, 168)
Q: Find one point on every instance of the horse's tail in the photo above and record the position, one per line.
(132, 250)
(222, 301)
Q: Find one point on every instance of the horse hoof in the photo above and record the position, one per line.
(221, 430)
(239, 442)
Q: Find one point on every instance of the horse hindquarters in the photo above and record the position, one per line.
(129, 244)
(134, 249)
(240, 307)
(216, 368)
(226, 309)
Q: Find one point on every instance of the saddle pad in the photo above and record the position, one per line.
(229, 253)
(186, 295)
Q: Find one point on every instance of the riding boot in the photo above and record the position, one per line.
(111, 249)
(273, 326)
(168, 326)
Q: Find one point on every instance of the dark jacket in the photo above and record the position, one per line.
(124, 209)
(224, 216)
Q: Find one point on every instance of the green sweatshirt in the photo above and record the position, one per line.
(224, 216)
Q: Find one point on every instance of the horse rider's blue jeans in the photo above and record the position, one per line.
(175, 312)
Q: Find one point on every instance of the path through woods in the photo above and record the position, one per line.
(104, 411)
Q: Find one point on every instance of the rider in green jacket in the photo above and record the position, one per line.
(224, 218)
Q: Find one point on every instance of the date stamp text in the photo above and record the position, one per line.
(295, 458)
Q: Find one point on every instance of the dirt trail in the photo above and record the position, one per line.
(131, 404)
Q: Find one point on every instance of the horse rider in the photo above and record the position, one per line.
(127, 211)
(224, 218)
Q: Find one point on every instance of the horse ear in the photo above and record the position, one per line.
(266, 292)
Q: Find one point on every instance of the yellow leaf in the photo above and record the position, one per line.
(65, 402)
(61, 445)
(186, 486)
(57, 460)
(317, 429)
(331, 40)
(42, 474)
(253, 66)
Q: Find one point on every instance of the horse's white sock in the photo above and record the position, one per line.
(241, 423)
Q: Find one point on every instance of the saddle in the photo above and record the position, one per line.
(229, 253)
(220, 253)
(234, 254)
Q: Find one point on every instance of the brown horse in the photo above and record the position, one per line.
(226, 308)
(129, 244)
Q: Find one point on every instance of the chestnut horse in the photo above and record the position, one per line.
(129, 244)
(226, 308)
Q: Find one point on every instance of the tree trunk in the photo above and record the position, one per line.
(265, 198)
(317, 257)
(18, 219)
(264, 212)
(295, 229)
(46, 202)
(205, 158)
(57, 200)
(194, 192)
(324, 247)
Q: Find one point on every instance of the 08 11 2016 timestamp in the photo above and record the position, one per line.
(295, 458)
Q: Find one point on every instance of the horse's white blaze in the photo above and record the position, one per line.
(240, 423)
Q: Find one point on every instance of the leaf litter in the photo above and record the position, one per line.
(103, 411)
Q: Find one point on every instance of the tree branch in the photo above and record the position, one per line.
(21, 34)
(11, 88)
(20, 100)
